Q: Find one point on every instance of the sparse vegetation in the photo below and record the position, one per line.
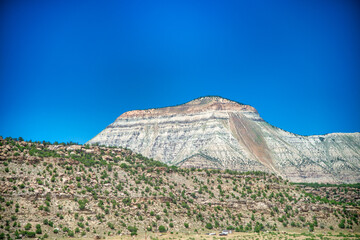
(99, 191)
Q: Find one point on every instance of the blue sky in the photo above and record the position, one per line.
(70, 68)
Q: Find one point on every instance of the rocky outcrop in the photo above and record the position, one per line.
(213, 132)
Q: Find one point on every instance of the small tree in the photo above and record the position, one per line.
(209, 226)
(311, 227)
(28, 226)
(38, 229)
(30, 234)
(342, 224)
(162, 228)
(133, 230)
(71, 233)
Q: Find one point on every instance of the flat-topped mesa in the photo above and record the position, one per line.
(198, 105)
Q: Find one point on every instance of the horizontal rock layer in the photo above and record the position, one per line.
(213, 132)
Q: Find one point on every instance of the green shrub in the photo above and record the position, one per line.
(258, 227)
(133, 230)
(162, 228)
(71, 233)
(110, 225)
(311, 227)
(30, 234)
(82, 204)
(239, 229)
(209, 226)
(342, 224)
(28, 226)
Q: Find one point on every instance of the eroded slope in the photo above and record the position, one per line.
(213, 132)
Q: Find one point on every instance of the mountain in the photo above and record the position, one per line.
(217, 133)
(61, 191)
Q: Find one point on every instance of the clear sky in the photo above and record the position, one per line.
(69, 68)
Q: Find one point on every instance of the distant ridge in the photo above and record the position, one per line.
(215, 132)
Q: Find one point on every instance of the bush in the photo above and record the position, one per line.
(82, 204)
(311, 227)
(162, 228)
(258, 227)
(38, 229)
(123, 165)
(71, 233)
(133, 230)
(28, 226)
(239, 229)
(209, 226)
(31, 234)
(230, 228)
(186, 225)
(342, 224)
(110, 225)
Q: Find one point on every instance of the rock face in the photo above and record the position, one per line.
(213, 132)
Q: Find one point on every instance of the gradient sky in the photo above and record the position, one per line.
(70, 68)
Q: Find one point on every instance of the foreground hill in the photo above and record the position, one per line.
(72, 190)
(213, 132)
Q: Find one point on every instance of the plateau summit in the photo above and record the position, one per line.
(217, 133)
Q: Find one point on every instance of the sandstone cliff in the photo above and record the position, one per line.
(213, 132)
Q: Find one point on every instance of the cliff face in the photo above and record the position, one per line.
(212, 132)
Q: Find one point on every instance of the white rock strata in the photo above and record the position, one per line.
(213, 132)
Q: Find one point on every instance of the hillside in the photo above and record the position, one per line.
(91, 191)
(217, 133)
